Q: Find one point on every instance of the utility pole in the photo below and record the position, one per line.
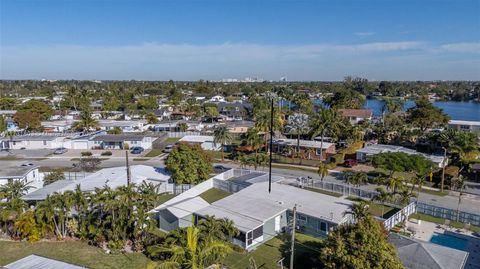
(271, 145)
(444, 163)
(128, 168)
(292, 248)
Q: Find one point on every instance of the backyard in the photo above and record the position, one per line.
(75, 252)
(267, 255)
(213, 195)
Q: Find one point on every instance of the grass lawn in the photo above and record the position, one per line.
(267, 255)
(433, 192)
(75, 252)
(171, 140)
(454, 224)
(165, 197)
(218, 154)
(140, 159)
(324, 192)
(8, 158)
(213, 195)
(277, 158)
(154, 153)
(376, 208)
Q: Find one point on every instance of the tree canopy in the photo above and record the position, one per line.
(425, 115)
(402, 162)
(188, 164)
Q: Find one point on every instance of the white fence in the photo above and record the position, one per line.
(400, 216)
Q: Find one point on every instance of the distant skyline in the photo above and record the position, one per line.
(214, 40)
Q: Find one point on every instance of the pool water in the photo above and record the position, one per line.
(449, 241)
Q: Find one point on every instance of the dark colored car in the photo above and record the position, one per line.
(60, 150)
(350, 163)
(137, 150)
(220, 169)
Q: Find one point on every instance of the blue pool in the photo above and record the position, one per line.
(449, 241)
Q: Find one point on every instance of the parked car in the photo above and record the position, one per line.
(137, 150)
(220, 169)
(168, 148)
(350, 163)
(60, 150)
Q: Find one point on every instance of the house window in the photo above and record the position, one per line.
(322, 226)
(317, 152)
(301, 218)
(249, 238)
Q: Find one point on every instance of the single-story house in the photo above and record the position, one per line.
(27, 173)
(464, 125)
(110, 141)
(258, 214)
(56, 126)
(363, 154)
(125, 125)
(416, 254)
(289, 146)
(356, 115)
(34, 262)
(34, 141)
(205, 141)
(113, 177)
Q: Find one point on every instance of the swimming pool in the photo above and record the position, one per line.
(449, 241)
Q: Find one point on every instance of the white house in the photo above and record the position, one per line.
(205, 141)
(126, 126)
(27, 173)
(217, 99)
(363, 154)
(356, 115)
(464, 125)
(119, 141)
(113, 177)
(35, 141)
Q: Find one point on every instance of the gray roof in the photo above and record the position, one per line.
(49, 189)
(118, 138)
(253, 205)
(114, 177)
(16, 171)
(35, 137)
(254, 177)
(416, 254)
(38, 262)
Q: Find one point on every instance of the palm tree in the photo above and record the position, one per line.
(383, 196)
(326, 120)
(323, 170)
(196, 253)
(243, 159)
(297, 124)
(395, 183)
(222, 135)
(359, 211)
(459, 185)
(87, 122)
(14, 190)
(253, 139)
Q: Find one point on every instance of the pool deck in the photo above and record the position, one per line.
(423, 230)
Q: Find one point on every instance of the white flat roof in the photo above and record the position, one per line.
(187, 207)
(252, 206)
(197, 138)
(303, 143)
(381, 148)
(464, 122)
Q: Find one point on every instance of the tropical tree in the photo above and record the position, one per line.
(86, 122)
(326, 120)
(151, 118)
(359, 211)
(323, 170)
(459, 184)
(253, 139)
(115, 131)
(54, 175)
(222, 136)
(382, 197)
(362, 244)
(197, 252)
(297, 124)
(425, 115)
(188, 164)
(182, 126)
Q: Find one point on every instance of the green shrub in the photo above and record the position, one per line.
(86, 153)
(106, 153)
(338, 158)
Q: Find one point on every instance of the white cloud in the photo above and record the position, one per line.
(473, 47)
(364, 33)
(215, 61)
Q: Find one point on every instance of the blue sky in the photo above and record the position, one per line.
(191, 40)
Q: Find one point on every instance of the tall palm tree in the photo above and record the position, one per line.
(395, 183)
(222, 136)
(323, 170)
(254, 140)
(382, 197)
(326, 120)
(459, 185)
(87, 122)
(359, 211)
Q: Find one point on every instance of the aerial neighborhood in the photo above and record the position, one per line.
(242, 169)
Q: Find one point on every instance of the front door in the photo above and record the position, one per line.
(277, 224)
